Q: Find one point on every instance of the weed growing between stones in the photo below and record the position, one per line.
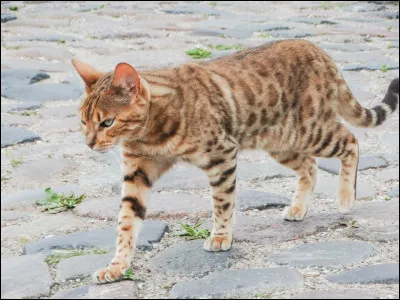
(350, 224)
(225, 47)
(199, 53)
(55, 203)
(265, 35)
(384, 68)
(13, 8)
(194, 232)
(26, 113)
(13, 161)
(63, 254)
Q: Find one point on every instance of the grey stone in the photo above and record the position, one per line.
(181, 178)
(12, 215)
(329, 187)
(152, 231)
(237, 282)
(377, 210)
(371, 66)
(390, 140)
(81, 266)
(39, 77)
(348, 47)
(13, 77)
(49, 37)
(250, 199)
(389, 175)
(376, 234)
(15, 135)
(273, 229)
(43, 92)
(190, 259)
(75, 293)
(29, 197)
(366, 162)
(383, 273)
(336, 294)
(262, 171)
(394, 193)
(312, 21)
(333, 253)
(197, 8)
(7, 17)
(25, 276)
(118, 290)
(290, 34)
(391, 158)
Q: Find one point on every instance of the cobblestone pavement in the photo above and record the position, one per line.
(328, 255)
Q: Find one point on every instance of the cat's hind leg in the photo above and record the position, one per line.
(305, 167)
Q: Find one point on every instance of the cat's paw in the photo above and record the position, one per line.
(346, 200)
(111, 273)
(294, 213)
(218, 243)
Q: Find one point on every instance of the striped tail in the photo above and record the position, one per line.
(355, 114)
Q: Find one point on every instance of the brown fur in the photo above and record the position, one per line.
(284, 97)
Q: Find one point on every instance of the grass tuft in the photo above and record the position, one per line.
(13, 161)
(225, 47)
(199, 53)
(56, 258)
(13, 8)
(265, 35)
(349, 224)
(384, 68)
(194, 232)
(61, 41)
(101, 6)
(55, 203)
(25, 113)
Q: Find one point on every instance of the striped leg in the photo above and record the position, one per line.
(305, 166)
(342, 144)
(222, 175)
(139, 174)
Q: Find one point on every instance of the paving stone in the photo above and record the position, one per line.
(390, 140)
(377, 210)
(231, 283)
(15, 135)
(190, 259)
(332, 165)
(371, 66)
(250, 199)
(273, 229)
(12, 215)
(182, 178)
(49, 37)
(152, 231)
(29, 197)
(312, 21)
(328, 186)
(35, 282)
(387, 175)
(118, 290)
(333, 253)
(391, 158)
(75, 293)
(81, 266)
(48, 53)
(385, 233)
(198, 8)
(336, 294)
(262, 171)
(348, 47)
(7, 17)
(383, 273)
(39, 77)
(394, 192)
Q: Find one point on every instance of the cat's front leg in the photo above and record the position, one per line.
(139, 175)
(222, 175)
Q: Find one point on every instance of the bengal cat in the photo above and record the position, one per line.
(284, 97)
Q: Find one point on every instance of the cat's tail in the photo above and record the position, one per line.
(352, 111)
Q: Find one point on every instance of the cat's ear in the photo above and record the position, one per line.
(87, 73)
(125, 76)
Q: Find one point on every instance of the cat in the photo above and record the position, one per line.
(284, 97)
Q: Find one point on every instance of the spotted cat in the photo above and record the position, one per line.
(284, 97)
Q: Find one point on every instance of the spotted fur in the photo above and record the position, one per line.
(284, 97)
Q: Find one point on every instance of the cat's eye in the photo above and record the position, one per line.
(107, 123)
(83, 122)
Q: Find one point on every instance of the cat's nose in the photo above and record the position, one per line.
(91, 144)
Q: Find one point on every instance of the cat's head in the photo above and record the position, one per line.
(115, 108)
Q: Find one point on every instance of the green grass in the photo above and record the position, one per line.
(390, 28)
(225, 47)
(325, 5)
(194, 232)
(26, 113)
(384, 68)
(265, 35)
(262, 296)
(4, 178)
(199, 53)
(101, 6)
(12, 47)
(388, 198)
(129, 274)
(56, 258)
(349, 224)
(22, 240)
(55, 203)
(223, 36)
(13, 161)
(212, 3)
(390, 46)
(99, 251)
(13, 8)
(61, 41)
